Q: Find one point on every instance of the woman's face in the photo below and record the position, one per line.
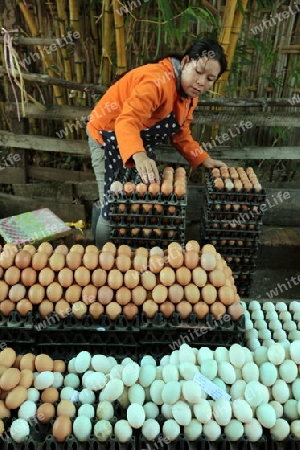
(198, 76)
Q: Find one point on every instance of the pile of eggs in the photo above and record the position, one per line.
(233, 179)
(116, 281)
(172, 182)
(97, 395)
(269, 322)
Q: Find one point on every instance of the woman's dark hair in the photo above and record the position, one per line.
(203, 47)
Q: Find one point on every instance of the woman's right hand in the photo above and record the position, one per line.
(146, 168)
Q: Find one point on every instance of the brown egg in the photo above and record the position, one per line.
(57, 261)
(218, 310)
(24, 306)
(123, 262)
(45, 247)
(10, 378)
(62, 249)
(65, 277)
(23, 259)
(98, 277)
(46, 276)
(6, 306)
(16, 292)
(36, 293)
(26, 379)
(226, 295)
(105, 295)
(183, 276)
(109, 247)
(92, 249)
(199, 277)
(131, 278)
(209, 294)
(140, 262)
(43, 362)
(27, 362)
(12, 275)
(82, 276)
(59, 365)
(62, 428)
(62, 309)
(39, 260)
(30, 248)
(217, 277)
(138, 295)
(77, 248)
(201, 309)
(28, 276)
(141, 189)
(123, 295)
(91, 260)
(167, 276)
(191, 259)
(184, 309)
(45, 412)
(1, 272)
(113, 310)
(4, 411)
(73, 260)
(148, 280)
(154, 189)
(141, 251)
(147, 207)
(129, 188)
(175, 293)
(175, 257)
(192, 293)
(235, 310)
(96, 310)
(4, 288)
(124, 250)
(16, 397)
(150, 308)
(167, 308)
(115, 279)
(167, 187)
(89, 294)
(130, 311)
(16, 363)
(160, 293)
(106, 260)
(208, 261)
(158, 208)
(79, 310)
(73, 293)
(45, 308)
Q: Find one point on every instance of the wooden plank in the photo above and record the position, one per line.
(52, 174)
(87, 191)
(11, 205)
(61, 192)
(43, 143)
(11, 175)
(258, 118)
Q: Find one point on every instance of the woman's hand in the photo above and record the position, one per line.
(210, 163)
(146, 167)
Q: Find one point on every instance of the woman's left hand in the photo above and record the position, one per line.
(210, 163)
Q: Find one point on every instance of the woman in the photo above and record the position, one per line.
(143, 107)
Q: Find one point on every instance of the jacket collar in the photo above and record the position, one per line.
(177, 70)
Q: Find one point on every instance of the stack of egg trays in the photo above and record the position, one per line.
(171, 332)
(202, 443)
(92, 443)
(170, 227)
(16, 329)
(86, 333)
(231, 222)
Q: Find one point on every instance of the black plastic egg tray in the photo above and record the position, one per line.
(150, 241)
(224, 206)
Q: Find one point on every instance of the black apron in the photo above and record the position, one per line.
(113, 162)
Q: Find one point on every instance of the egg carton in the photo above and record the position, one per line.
(15, 320)
(30, 443)
(160, 198)
(21, 336)
(147, 242)
(92, 443)
(175, 322)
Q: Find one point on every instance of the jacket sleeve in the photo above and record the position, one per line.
(186, 145)
(145, 98)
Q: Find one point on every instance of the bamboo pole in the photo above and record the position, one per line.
(94, 33)
(106, 41)
(62, 20)
(48, 62)
(120, 39)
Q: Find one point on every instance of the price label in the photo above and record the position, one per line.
(209, 387)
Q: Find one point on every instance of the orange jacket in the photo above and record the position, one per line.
(140, 99)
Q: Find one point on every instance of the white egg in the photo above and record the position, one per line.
(136, 415)
(278, 408)
(296, 316)
(43, 380)
(212, 431)
(192, 431)
(234, 430)
(58, 380)
(209, 368)
(186, 354)
(95, 381)
(171, 429)
(260, 323)
(248, 324)
(285, 315)
(86, 396)
(182, 412)
(253, 430)
(101, 363)
(151, 410)
(136, 394)
(296, 389)
(86, 410)
(264, 334)
(290, 409)
(174, 357)
(274, 324)
(82, 361)
(280, 430)
(241, 410)
(71, 379)
(222, 411)
(279, 335)
(268, 306)
(271, 315)
(268, 373)
(289, 325)
(103, 430)
(150, 429)
(170, 373)
(253, 344)
(294, 335)
(166, 411)
(250, 372)
(280, 391)
(19, 430)
(260, 355)
(294, 306)
(237, 355)
(203, 354)
(276, 354)
(203, 411)
(257, 314)
(105, 410)
(268, 342)
(295, 429)
(266, 415)
(237, 389)
(253, 305)
(82, 428)
(254, 393)
(130, 374)
(112, 391)
(191, 391)
(147, 375)
(27, 410)
(188, 370)
(33, 394)
(252, 333)
(219, 383)
(156, 391)
(226, 372)
(288, 370)
(221, 354)
(123, 431)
